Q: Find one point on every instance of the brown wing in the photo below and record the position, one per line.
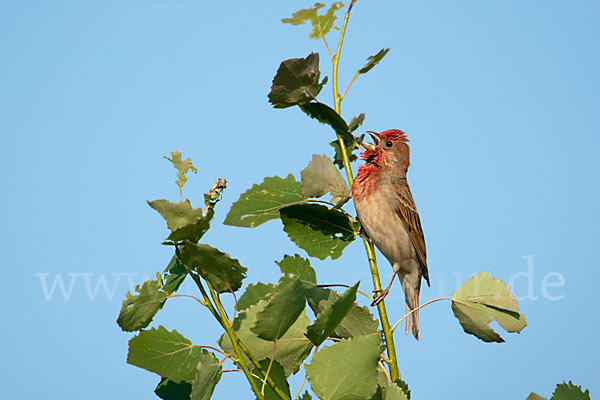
(407, 210)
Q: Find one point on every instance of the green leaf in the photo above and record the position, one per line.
(170, 390)
(254, 293)
(338, 158)
(297, 267)
(322, 24)
(327, 115)
(320, 231)
(174, 275)
(373, 61)
(350, 142)
(296, 82)
(208, 375)
(138, 310)
(355, 122)
(261, 203)
(166, 353)
(185, 222)
(394, 392)
(222, 271)
(358, 321)
(291, 349)
(569, 391)
(480, 300)
(347, 370)
(331, 316)
(177, 215)
(182, 166)
(281, 312)
(320, 177)
(193, 232)
(276, 373)
(534, 396)
(404, 386)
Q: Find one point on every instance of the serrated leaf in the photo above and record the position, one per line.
(355, 122)
(297, 267)
(166, 353)
(254, 293)
(534, 396)
(569, 391)
(480, 300)
(170, 390)
(174, 275)
(291, 349)
(222, 271)
(296, 82)
(331, 316)
(182, 166)
(347, 370)
(404, 386)
(322, 24)
(276, 373)
(208, 374)
(373, 61)
(358, 321)
(327, 115)
(281, 312)
(138, 310)
(321, 177)
(261, 203)
(320, 231)
(394, 392)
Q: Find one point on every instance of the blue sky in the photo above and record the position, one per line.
(500, 100)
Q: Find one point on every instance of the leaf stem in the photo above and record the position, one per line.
(270, 381)
(418, 308)
(348, 287)
(350, 84)
(301, 386)
(238, 345)
(188, 296)
(233, 338)
(220, 317)
(385, 323)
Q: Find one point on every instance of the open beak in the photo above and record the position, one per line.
(370, 146)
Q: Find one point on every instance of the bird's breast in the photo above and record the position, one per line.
(385, 227)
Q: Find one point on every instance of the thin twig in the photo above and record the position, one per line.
(215, 349)
(234, 298)
(385, 371)
(346, 286)
(187, 295)
(228, 356)
(323, 37)
(301, 386)
(269, 367)
(418, 308)
(350, 84)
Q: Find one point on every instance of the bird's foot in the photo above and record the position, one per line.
(381, 293)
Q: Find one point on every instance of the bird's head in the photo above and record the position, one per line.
(388, 150)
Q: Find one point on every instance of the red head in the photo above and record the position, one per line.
(389, 153)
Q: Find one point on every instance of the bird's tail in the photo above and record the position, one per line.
(411, 284)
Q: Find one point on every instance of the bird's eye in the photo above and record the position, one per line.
(388, 144)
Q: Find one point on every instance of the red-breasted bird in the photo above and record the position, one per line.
(388, 215)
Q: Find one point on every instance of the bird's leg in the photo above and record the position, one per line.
(381, 293)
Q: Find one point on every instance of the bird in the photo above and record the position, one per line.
(388, 215)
